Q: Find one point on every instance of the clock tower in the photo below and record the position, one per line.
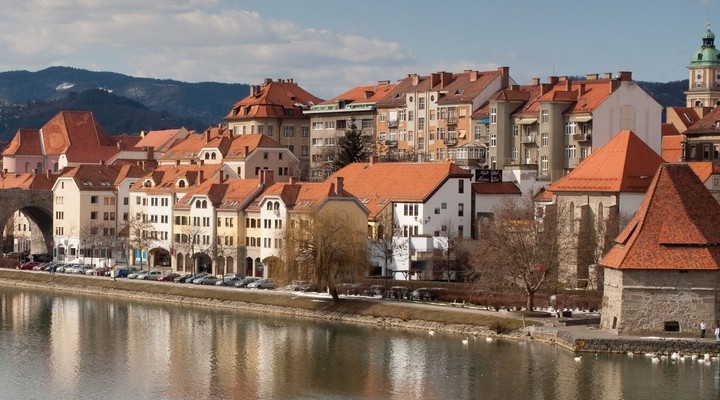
(704, 85)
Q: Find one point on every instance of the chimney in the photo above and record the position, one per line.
(373, 159)
(47, 174)
(207, 136)
(415, 79)
(177, 163)
(592, 77)
(473, 76)
(504, 76)
(535, 82)
(625, 76)
(267, 177)
(120, 145)
(563, 78)
(267, 81)
(339, 185)
(201, 176)
(568, 85)
(247, 150)
(445, 79)
(581, 90)
(292, 180)
(35, 171)
(607, 75)
(553, 80)
(514, 87)
(221, 176)
(102, 163)
(150, 153)
(435, 79)
(201, 162)
(383, 83)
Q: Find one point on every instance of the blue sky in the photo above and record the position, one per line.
(329, 46)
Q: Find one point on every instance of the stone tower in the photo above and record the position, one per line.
(704, 85)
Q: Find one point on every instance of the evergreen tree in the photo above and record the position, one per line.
(351, 148)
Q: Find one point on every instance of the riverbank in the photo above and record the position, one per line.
(370, 311)
(387, 313)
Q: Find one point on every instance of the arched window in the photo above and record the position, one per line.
(198, 204)
(148, 183)
(698, 103)
(269, 205)
(39, 167)
(204, 204)
(380, 232)
(213, 156)
(27, 167)
(207, 156)
(181, 183)
(277, 205)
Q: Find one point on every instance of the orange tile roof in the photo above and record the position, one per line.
(461, 87)
(677, 226)
(543, 195)
(703, 169)
(230, 194)
(90, 155)
(237, 148)
(624, 164)
(161, 140)
(25, 142)
(672, 148)
(708, 125)
(362, 94)
(582, 96)
(26, 181)
(272, 99)
(301, 196)
(93, 177)
(686, 115)
(165, 177)
(377, 184)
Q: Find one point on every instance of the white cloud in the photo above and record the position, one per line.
(189, 41)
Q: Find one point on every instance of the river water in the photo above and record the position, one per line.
(58, 345)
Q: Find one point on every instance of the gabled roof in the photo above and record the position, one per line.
(92, 177)
(163, 139)
(362, 94)
(708, 125)
(25, 142)
(677, 226)
(241, 146)
(90, 155)
(165, 177)
(624, 164)
(703, 169)
(223, 193)
(377, 184)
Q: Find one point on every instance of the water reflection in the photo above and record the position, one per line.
(59, 345)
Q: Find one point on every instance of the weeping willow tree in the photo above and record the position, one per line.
(326, 248)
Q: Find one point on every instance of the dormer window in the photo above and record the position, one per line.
(148, 183)
(181, 183)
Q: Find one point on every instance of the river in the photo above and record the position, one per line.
(60, 345)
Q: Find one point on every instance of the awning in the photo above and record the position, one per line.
(580, 118)
(526, 121)
(484, 121)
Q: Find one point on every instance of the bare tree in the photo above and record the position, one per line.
(92, 239)
(452, 255)
(322, 248)
(141, 234)
(523, 247)
(191, 242)
(383, 242)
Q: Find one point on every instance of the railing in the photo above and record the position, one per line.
(451, 120)
(582, 137)
(391, 143)
(529, 139)
(392, 123)
(450, 142)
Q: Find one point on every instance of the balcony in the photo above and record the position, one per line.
(512, 161)
(451, 120)
(392, 123)
(391, 143)
(450, 142)
(529, 139)
(582, 137)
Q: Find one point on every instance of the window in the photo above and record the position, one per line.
(329, 124)
(410, 209)
(515, 130)
(545, 116)
(421, 103)
(383, 117)
(59, 215)
(421, 123)
(569, 128)
(493, 116)
(544, 165)
(493, 140)
(94, 215)
(584, 152)
(94, 200)
(317, 126)
(461, 209)
(401, 115)
(289, 131)
(570, 151)
(544, 139)
(317, 142)
(461, 186)
(411, 115)
(477, 131)
(126, 201)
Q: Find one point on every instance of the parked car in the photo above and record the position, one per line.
(100, 271)
(360, 289)
(151, 275)
(246, 281)
(136, 274)
(40, 266)
(229, 281)
(28, 265)
(398, 292)
(183, 278)
(168, 277)
(266, 283)
(206, 280)
(64, 267)
(73, 269)
(196, 276)
(124, 272)
(377, 290)
(83, 269)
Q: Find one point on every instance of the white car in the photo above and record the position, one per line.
(150, 275)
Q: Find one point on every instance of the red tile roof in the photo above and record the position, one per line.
(162, 140)
(708, 125)
(625, 164)
(106, 177)
(362, 94)
(272, 99)
(90, 155)
(302, 196)
(237, 148)
(672, 148)
(27, 181)
(25, 142)
(378, 184)
(677, 226)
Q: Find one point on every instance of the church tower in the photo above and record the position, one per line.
(704, 84)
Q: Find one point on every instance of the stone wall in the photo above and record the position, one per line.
(642, 301)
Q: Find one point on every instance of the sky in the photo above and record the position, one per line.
(330, 46)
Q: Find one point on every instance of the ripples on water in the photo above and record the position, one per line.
(61, 346)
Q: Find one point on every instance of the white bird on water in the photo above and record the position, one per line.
(630, 354)
(578, 358)
(488, 339)
(431, 333)
(465, 341)
(655, 359)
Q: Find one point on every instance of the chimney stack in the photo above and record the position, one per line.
(553, 80)
(625, 75)
(201, 176)
(415, 79)
(581, 90)
(221, 176)
(150, 153)
(591, 77)
(473, 76)
(267, 177)
(435, 79)
(445, 79)
(535, 82)
(339, 185)
(504, 76)
(47, 174)
(607, 75)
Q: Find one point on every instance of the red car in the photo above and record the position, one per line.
(168, 277)
(28, 265)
